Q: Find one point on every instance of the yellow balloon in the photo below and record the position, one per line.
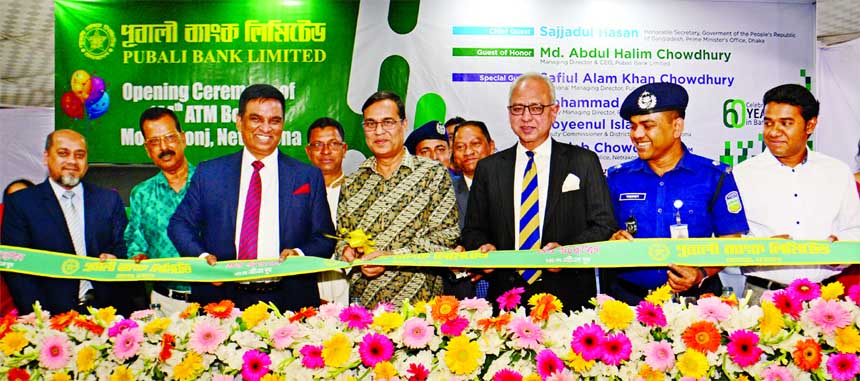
(81, 84)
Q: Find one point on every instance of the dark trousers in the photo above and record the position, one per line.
(573, 287)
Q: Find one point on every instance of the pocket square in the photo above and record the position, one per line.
(571, 183)
(304, 189)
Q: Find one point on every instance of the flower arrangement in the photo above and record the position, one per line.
(805, 332)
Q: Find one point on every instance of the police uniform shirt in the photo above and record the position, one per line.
(650, 199)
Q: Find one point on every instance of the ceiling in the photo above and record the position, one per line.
(27, 45)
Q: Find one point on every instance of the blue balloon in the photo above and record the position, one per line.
(98, 107)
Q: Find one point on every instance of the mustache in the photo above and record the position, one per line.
(165, 153)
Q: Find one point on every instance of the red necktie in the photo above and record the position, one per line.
(251, 217)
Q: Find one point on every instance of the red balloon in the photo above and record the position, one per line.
(72, 105)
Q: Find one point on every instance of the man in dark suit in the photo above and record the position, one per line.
(538, 194)
(255, 204)
(66, 215)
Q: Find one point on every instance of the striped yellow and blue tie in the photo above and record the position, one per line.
(530, 216)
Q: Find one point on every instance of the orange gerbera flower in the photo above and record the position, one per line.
(444, 308)
(807, 354)
(221, 310)
(190, 311)
(702, 336)
(543, 305)
(495, 322)
(61, 321)
(89, 325)
(303, 313)
(6, 323)
(168, 342)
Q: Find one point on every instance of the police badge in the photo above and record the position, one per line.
(646, 101)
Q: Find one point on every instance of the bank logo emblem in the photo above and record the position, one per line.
(646, 101)
(96, 41)
(734, 113)
(70, 266)
(659, 252)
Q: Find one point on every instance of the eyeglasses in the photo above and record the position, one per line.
(332, 145)
(387, 124)
(155, 141)
(534, 109)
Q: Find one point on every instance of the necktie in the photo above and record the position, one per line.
(530, 216)
(76, 231)
(251, 216)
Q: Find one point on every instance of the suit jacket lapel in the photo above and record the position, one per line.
(286, 186)
(54, 210)
(90, 220)
(506, 191)
(233, 170)
(557, 174)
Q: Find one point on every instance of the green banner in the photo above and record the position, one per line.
(115, 59)
(636, 253)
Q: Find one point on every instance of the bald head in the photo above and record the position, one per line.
(66, 157)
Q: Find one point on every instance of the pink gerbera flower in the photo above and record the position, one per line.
(854, 294)
(477, 304)
(776, 373)
(284, 336)
(527, 334)
(127, 343)
(650, 314)
(120, 326)
(255, 365)
(548, 363)
(356, 317)
(507, 375)
(743, 347)
(416, 333)
(510, 299)
(843, 366)
(713, 309)
(588, 341)
(804, 290)
(375, 348)
(829, 315)
(454, 327)
(206, 337)
(562, 375)
(330, 310)
(55, 352)
(787, 304)
(659, 355)
(417, 372)
(312, 356)
(616, 348)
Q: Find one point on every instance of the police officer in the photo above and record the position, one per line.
(668, 192)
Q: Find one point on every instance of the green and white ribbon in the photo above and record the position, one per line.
(636, 253)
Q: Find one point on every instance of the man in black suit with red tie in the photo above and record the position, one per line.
(538, 194)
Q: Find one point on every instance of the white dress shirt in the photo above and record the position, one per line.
(542, 156)
(333, 285)
(811, 201)
(268, 233)
(78, 202)
(468, 181)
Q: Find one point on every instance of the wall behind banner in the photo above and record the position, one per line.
(446, 57)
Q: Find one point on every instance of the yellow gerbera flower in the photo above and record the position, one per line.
(105, 315)
(615, 314)
(336, 350)
(462, 355)
(189, 367)
(661, 295)
(648, 374)
(122, 373)
(770, 322)
(86, 360)
(13, 343)
(577, 362)
(532, 377)
(832, 291)
(60, 377)
(253, 315)
(384, 371)
(190, 311)
(156, 325)
(271, 377)
(847, 339)
(388, 321)
(693, 364)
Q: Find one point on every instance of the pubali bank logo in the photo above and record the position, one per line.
(70, 266)
(96, 41)
(738, 113)
(659, 252)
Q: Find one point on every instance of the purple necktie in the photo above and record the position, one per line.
(251, 217)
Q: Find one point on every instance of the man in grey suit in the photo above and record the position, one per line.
(538, 194)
